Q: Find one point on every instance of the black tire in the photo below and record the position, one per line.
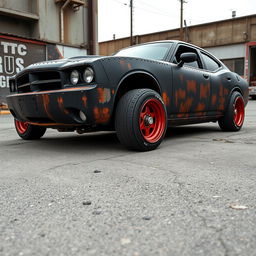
(234, 115)
(140, 120)
(253, 97)
(27, 131)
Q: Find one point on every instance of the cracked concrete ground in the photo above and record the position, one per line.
(71, 194)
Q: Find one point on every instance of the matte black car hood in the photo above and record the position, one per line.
(62, 63)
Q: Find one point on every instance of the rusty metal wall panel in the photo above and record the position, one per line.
(195, 36)
(15, 54)
(219, 33)
(239, 30)
(15, 27)
(224, 33)
(20, 5)
(208, 36)
(253, 32)
(49, 23)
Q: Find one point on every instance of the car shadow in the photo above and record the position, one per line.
(186, 131)
(109, 141)
(100, 141)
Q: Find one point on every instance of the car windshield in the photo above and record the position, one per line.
(148, 51)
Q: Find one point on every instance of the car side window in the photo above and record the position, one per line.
(183, 49)
(210, 63)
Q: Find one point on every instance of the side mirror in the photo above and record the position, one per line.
(187, 57)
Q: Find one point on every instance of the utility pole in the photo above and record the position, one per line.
(131, 9)
(186, 31)
(181, 20)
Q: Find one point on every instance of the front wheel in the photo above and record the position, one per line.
(27, 131)
(140, 120)
(233, 118)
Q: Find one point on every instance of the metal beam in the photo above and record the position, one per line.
(19, 14)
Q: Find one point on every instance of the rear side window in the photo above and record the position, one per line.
(210, 63)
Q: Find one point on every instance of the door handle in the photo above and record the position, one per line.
(206, 76)
(229, 79)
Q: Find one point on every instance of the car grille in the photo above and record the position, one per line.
(39, 81)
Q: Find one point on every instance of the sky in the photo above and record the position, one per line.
(159, 15)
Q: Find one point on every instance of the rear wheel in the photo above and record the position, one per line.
(233, 118)
(253, 97)
(140, 119)
(27, 131)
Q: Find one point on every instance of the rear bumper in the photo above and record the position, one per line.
(60, 107)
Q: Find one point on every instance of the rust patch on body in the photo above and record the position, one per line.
(104, 95)
(84, 100)
(46, 103)
(200, 107)
(101, 115)
(61, 105)
(204, 91)
(125, 64)
(53, 124)
(222, 103)
(221, 98)
(191, 86)
(183, 115)
(186, 106)
(179, 95)
(113, 91)
(214, 99)
(122, 62)
(166, 99)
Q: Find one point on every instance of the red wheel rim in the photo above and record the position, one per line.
(152, 120)
(239, 111)
(21, 126)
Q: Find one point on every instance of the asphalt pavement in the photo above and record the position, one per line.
(70, 194)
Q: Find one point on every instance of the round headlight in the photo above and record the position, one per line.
(74, 77)
(88, 75)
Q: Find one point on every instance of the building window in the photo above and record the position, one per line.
(235, 65)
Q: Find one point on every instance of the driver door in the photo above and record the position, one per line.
(191, 86)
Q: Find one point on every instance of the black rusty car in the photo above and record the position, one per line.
(138, 92)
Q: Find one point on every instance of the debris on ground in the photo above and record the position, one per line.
(125, 241)
(238, 207)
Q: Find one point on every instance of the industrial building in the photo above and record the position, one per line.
(39, 30)
(233, 41)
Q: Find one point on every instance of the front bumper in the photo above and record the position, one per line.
(60, 107)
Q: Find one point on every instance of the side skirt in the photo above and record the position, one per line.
(192, 120)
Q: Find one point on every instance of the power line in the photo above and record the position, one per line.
(153, 12)
(148, 4)
(150, 8)
(120, 2)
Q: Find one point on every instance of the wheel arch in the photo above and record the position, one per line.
(136, 80)
(236, 89)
